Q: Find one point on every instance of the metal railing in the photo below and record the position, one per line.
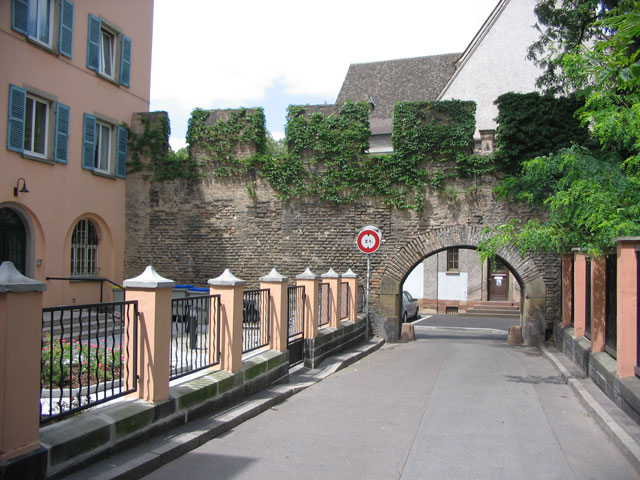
(344, 300)
(89, 356)
(195, 334)
(295, 311)
(89, 278)
(323, 304)
(256, 314)
(360, 300)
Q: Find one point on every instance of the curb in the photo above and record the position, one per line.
(143, 459)
(627, 445)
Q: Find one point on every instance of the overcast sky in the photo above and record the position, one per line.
(270, 54)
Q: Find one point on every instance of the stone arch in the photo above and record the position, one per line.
(529, 272)
(33, 233)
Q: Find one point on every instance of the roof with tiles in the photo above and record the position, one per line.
(387, 82)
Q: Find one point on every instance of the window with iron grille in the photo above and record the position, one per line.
(84, 249)
(453, 254)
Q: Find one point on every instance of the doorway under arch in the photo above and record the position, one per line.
(536, 275)
(13, 239)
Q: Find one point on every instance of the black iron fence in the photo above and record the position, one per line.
(255, 320)
(323, 304)
(89, 356)
(295, 329)
(611, 304)
(360, 301)
(195, 334)
(344, 300)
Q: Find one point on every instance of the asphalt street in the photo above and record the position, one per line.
(457, 403)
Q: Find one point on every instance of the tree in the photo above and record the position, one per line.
(589, 195)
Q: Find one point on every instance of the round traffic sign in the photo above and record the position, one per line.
(369, 239)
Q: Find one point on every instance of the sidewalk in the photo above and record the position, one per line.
(140, 460)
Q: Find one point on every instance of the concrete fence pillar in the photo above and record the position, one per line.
(567, 289)
(352, 300)
(278, 286)
(333, 279)
(311, 283)
(627, 305)
(153, 294)
(579, 293)
(231, 289)
(20, 347)
(598, 303)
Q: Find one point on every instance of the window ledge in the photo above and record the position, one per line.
(453, 272)
(28, 156)
(103, 174)
(43, 46)
(107, 78)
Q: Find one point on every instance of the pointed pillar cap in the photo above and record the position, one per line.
(307, 275)
(330, 274)
(227, 279)
(274, 276)
(349, 274)
(149, 279)
(11, 280)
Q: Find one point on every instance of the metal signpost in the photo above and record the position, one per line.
(368, 241)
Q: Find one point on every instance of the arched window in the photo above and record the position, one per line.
(13, 239)
(84, 249)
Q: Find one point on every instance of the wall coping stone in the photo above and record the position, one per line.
(11, 280)
(626, 239)
(227, 279)
(274, 277)
(307, 275)
(149, 279)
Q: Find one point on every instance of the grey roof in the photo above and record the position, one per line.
(391, 81)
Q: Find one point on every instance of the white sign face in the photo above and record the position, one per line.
(369, 239)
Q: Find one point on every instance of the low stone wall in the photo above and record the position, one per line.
(92, 436)
(601, 368)
(331, 341)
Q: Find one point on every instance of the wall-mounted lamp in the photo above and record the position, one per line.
(22, 190)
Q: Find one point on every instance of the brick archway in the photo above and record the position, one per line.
(530, 272)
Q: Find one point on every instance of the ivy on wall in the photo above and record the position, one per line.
(326, 151)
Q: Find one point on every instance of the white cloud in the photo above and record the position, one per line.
(226, 54)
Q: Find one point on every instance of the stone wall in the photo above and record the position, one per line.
(192, 229)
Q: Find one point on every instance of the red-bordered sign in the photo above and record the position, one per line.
(369, 239)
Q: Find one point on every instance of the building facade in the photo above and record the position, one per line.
(74, 74)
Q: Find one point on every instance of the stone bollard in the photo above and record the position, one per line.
(514, 337)
(230, 288)
(278, 288)
(408, 333)
(20, 350)
(333, 279)
(311, 282)
(153, 293)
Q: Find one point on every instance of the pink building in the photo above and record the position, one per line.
(74, 73)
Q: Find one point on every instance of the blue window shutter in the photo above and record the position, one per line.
(125, 61)
(61, 145)
(65, 40)
(121, 161)
(93, 43)
(20, 15)
(88, 141)
(15, 124)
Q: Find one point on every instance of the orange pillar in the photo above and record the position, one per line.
(230, 288)
(627, 300)
(20, 349)
(333, 279)
(567, 282)
(278, 287)
(580, 293)
(352, 280)
(598, 303)
(153, 293)
(311, 283)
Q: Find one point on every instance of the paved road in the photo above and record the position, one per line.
(451, 405)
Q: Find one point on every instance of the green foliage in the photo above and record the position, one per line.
(592, 195)
(531, 125)
(219, 140)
